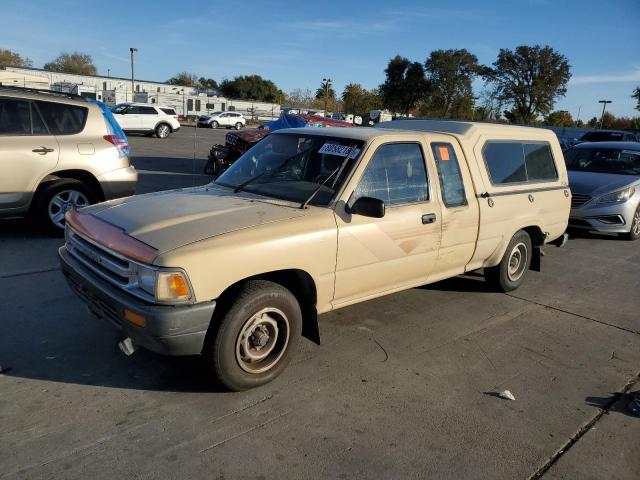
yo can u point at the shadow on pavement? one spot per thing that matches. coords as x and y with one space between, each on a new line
470 282
616 403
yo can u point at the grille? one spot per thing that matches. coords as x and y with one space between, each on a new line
579 199
577 222
96 305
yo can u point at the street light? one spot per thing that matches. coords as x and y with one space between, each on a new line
132 50
327 85
604 106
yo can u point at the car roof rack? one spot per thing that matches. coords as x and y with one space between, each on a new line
41 91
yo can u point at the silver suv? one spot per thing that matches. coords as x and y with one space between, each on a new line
58 152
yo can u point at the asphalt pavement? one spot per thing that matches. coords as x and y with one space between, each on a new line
404 386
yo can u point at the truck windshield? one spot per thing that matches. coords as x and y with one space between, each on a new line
291 166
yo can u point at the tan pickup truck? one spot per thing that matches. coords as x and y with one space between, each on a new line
311 220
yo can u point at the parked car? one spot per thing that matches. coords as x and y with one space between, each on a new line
57 152
236 143
222 119
605 184
608 136
147 119
311 220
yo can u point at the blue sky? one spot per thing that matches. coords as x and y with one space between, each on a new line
296 44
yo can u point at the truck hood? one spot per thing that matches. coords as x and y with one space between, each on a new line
174 218
594 184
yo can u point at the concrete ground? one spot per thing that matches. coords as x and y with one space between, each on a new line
403 386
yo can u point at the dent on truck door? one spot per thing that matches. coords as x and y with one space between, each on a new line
382 254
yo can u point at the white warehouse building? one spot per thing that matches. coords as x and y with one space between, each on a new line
112 90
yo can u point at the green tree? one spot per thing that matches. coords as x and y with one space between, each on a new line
404 86
450 74
184 79
636 95
251 87
208 83
325 89
300 98
560 118
75 62
529 79
358 100
593 123
10 58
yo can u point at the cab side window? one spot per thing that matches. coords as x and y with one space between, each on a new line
396 175
453 194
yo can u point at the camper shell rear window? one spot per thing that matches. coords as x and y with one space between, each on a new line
513 161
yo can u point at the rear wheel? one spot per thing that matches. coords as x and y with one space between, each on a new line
512 269
254 339
56 199
163 130
238 126
634 232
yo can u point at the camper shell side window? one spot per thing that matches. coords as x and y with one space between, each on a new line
519 161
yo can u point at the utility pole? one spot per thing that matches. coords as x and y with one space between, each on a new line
604 106
578 117
132 50
327 86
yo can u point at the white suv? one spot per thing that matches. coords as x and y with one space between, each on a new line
146 118
222 119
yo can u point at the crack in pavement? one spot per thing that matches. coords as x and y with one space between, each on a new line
584 429
628 330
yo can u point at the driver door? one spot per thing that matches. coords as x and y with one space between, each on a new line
382 255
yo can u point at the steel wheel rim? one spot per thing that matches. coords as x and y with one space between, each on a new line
262 340
163 130
64 201
238 126
635 226
518 259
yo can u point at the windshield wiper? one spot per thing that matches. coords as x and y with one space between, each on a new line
338 170
253 179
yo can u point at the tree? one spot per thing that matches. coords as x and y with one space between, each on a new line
450 74
593 123
529 80
207 83
300 98
636 95
358 100
9 58
251 87
325 89
560 118
404 86
75 62
184 79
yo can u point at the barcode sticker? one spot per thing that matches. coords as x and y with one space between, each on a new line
334 149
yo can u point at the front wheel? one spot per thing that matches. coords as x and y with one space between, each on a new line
255 336
163 130
634 232
214 124
238 126
512 269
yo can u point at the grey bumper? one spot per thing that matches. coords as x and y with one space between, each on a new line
611 218
169 330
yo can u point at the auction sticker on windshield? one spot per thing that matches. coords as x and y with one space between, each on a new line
334 149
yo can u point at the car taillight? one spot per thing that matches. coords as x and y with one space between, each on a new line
120 143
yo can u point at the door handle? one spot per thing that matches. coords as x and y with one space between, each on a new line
428 218
42 150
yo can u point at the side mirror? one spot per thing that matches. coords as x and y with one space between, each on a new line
367 207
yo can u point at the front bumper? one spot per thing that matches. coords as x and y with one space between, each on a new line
119 183
611 218
170 330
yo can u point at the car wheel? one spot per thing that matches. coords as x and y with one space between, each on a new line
163 130
214 124
634 232
56 199
253 341
512 269
238 126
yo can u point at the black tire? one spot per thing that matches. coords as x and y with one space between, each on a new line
214 124
45 196
634 232
512 269
163 130
225 346
238 125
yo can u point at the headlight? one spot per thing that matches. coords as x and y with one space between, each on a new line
164 286
618 197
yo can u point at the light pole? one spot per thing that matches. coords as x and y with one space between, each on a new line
604 106
132 50
578 117
327 85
